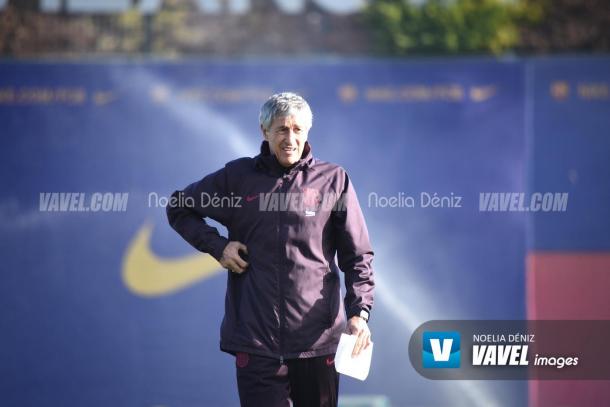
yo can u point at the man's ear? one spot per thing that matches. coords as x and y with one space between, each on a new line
264 132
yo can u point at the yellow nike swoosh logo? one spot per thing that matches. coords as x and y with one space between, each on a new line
148 275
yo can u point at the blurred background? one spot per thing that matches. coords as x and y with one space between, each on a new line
468 101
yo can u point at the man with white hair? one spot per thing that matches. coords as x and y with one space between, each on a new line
283 308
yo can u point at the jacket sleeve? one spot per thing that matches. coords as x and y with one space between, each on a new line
187 209
354 251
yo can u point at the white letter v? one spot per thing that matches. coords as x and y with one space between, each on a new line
438 354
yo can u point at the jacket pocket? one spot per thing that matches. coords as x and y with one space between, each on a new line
331 283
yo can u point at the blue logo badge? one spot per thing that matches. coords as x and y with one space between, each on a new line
441 349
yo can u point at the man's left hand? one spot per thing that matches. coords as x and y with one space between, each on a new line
359 327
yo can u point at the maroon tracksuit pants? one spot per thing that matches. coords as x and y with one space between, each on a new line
309 382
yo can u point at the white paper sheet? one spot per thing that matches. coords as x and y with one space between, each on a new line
357 367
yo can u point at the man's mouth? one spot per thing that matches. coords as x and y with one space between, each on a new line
289 149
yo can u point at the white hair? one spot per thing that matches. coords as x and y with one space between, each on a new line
283 104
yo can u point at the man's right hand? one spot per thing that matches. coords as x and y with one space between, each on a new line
232 260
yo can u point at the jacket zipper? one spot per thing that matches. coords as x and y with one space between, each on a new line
283 188
280 289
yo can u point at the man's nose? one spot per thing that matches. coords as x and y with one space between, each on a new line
291 136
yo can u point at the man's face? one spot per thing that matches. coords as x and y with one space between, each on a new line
287 136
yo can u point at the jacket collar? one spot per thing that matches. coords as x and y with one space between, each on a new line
267 160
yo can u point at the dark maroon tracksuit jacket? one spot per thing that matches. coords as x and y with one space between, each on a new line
287 304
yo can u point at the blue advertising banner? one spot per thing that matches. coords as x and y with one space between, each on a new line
102 303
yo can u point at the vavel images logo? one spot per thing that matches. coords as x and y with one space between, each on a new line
441 349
